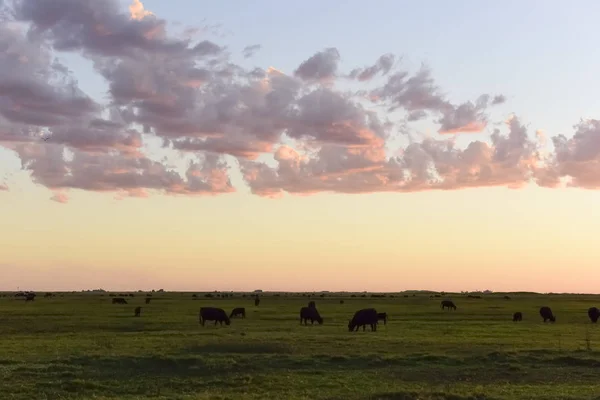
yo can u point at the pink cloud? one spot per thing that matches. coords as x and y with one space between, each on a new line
60 197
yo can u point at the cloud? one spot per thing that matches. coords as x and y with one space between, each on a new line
318 128
383 65
60 197
320 67
249 51
36 89
577 158
432 164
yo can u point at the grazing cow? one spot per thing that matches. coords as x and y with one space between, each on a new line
148 300
518 316
382 317
119 300
449 304
546 313
240 311
257 301
594 314
213 314
311 313
30 297
364 317
48 295
506 297
138 311
311 304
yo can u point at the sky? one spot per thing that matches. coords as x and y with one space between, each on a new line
287 146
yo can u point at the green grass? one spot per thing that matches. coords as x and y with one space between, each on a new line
81 346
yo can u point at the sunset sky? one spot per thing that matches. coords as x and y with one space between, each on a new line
295 146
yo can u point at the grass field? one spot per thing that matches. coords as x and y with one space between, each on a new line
80 346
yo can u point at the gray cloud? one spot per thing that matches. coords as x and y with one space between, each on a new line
249 51
383 65
320 67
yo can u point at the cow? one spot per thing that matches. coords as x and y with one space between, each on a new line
30 297
148 300
256 301
311 313
449 304
506 297
518 316
311 304
138 311
594 314
213 314
241 311
119 300
341 301
546 313
364 317
382 317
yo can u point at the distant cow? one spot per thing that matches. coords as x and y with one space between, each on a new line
341 301
48 295
119 300
213 314
364 317
506 297
382 317
241 311
257 301
311 304
546 313
311 313
30 297
594 314
148 300
449 304
138 311
518 316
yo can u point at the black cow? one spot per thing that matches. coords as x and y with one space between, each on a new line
213 314
138 311
241 311
311 304
148 300
594 314
546 313
364 317
518 316
311 313
382 317
341 301
257 301
30 297
449 304
119 300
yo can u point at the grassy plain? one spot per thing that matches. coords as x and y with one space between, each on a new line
80 346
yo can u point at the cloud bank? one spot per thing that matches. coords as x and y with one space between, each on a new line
316 129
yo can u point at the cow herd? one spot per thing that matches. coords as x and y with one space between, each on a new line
362 318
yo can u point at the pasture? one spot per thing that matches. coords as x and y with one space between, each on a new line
80 346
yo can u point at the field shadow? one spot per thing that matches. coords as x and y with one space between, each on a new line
421 396
239 348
